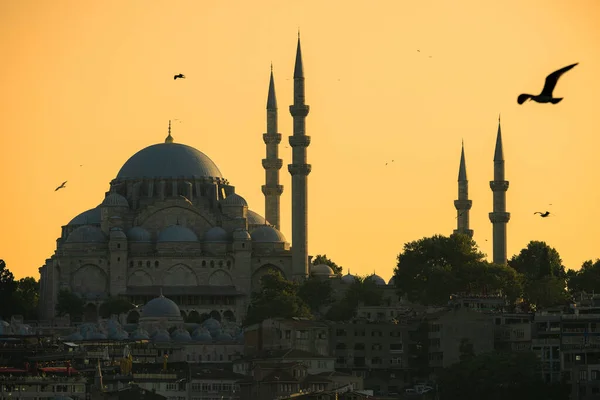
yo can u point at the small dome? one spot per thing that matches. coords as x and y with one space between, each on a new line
224 337
267 234
86 234
348 278
115 200
234 200
117 233
202 334
255 218
181 335
161 307
161 336
95 335
118 334
241 234
89 217
139 234
212 324
140 334
216 234
392 281
74 337
321 270
177 233
379 281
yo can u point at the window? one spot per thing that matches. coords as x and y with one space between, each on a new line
376 333
376 346
376 361
171 386
396 346
340 332
359 333
340 346
359 346
340 360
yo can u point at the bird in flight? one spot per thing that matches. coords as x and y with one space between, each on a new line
543 215
180 76
62 186
546 95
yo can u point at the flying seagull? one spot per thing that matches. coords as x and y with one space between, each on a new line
181 76
546 95
186 200
62 186
543 215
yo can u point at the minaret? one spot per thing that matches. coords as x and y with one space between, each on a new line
463 204
299 169
499 217
272 164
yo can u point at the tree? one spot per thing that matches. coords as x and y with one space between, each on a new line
277 299
429 270
538 260
115 306
587 279
322 259
362 291
544 276
497 376
26 297
69 303
316 293
7 288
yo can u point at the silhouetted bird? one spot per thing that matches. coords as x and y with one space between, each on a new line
181 76
62 186
543 215
546 95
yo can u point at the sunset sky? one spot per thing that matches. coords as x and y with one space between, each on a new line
91 82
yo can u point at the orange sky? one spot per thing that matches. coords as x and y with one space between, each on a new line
89 82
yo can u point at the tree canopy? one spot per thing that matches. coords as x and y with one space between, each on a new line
68 302
322 259
115 306
587 279
26 297
316 293
278 298
544 275
362 291
7 289
497 376
431 269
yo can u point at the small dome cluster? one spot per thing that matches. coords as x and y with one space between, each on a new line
17 329
378 280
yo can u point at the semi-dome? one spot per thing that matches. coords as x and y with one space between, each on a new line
348 278
177 233
321 270
379 281
115 200
241 234
267 234
161 307
91 216
234 200
86 234
169 160
255 218
139 234
216 234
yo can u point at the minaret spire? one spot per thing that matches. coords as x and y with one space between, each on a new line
169 138
272 163
299 169
463 204
499 217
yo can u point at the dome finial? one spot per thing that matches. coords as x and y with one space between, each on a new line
161 293
169 138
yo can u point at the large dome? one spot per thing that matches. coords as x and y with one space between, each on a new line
169 160
161 307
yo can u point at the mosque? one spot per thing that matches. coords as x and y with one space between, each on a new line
172 227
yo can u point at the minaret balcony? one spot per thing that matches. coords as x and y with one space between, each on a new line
499 186
463 204
299 169
299 110
299 141
272 138
269 163
275 190
499 217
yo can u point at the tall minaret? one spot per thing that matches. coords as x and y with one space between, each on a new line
463 204
299 169
499 217
272 164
